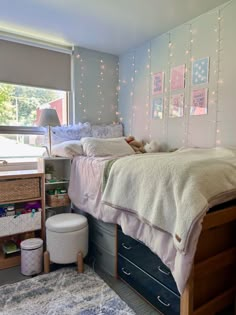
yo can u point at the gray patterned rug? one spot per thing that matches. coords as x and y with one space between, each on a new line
62 292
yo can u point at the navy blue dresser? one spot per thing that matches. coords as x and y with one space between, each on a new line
139 267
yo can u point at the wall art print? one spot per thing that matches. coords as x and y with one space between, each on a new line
176 108
200 71
157 108
177 77
157 83
199 102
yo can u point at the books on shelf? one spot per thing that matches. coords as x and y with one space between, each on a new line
10 247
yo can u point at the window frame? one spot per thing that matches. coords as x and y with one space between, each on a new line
29 130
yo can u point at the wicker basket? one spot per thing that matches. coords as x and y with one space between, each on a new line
57 200
19 189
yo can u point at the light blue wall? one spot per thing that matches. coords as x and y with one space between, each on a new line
95 86
210 35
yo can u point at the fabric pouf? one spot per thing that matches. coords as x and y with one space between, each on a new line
31 256
66 235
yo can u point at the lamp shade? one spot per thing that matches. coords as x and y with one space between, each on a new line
48 117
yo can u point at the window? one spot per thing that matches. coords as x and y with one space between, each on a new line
20 108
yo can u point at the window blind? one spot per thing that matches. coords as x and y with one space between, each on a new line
33 66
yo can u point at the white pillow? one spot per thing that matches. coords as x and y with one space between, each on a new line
106 147
107 131
68 149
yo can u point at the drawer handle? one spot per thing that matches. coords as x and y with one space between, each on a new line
126 272
165 304
167 273
126 247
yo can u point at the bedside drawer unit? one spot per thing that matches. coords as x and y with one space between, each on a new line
103 238
103 259
143 257
108 227
158 295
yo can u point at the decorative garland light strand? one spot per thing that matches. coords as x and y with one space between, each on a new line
117 93
81 88
218 80
100 88
131 121
147 105
167 94
188 101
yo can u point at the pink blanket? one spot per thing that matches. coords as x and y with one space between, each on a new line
85 193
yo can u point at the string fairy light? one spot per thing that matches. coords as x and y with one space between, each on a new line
82 99
148 89
188 98
117 93
219 81
167 91
132 79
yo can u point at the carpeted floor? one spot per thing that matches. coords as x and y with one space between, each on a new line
135 302
63 292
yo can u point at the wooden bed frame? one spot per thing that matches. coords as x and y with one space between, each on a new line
212 283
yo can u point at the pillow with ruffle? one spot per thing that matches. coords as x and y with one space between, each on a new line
68 149
71 132
107 131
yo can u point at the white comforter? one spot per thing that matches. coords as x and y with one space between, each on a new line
171 192
85 192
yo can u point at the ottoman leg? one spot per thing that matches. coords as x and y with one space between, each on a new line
46 260
80 263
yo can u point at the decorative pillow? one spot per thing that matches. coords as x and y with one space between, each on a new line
68 149
106 147
72 132
107 131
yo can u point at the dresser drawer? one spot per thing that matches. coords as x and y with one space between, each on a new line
103 238
144 258
109 227
159 296
103 259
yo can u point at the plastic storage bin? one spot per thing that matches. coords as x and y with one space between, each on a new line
31 256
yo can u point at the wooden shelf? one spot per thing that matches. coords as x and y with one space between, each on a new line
57 182
22 200
10 261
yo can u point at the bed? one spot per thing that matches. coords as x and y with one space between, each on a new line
204 274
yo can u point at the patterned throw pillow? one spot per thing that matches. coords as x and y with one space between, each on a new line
72 132
107 131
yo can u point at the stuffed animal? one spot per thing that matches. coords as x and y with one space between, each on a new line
137 146
152 147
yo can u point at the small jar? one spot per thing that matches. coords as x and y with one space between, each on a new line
10 210
48 176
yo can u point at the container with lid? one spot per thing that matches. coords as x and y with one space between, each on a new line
31 256
66 235
10 210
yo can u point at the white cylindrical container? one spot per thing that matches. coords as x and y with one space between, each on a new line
31 256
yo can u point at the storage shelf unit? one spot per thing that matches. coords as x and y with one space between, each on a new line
59 168
24 224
